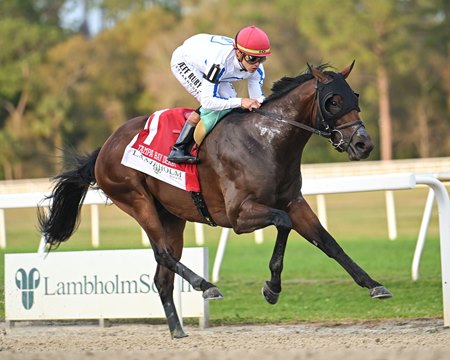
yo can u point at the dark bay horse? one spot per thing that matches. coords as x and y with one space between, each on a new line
250 178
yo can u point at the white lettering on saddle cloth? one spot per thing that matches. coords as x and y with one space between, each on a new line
141 157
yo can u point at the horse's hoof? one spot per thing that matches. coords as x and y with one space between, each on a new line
270 296
380 292
212 293
178 334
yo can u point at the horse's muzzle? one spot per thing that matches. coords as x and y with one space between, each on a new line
354 140
360 145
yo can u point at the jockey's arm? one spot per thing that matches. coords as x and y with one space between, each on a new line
255 85
218 96
222 95
215 102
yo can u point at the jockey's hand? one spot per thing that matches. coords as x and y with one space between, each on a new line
250 104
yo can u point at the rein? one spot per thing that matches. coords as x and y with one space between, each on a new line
275 116
326 134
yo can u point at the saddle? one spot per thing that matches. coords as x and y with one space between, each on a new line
148 150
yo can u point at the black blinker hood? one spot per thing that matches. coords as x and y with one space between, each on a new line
336 86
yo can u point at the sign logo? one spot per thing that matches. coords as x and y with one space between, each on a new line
28 283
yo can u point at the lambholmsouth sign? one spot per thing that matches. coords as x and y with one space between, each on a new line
113 284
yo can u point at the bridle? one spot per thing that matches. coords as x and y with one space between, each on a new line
323 128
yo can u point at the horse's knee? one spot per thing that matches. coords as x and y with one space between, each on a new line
328 244
281 219
320 238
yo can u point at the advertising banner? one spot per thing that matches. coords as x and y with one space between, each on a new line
100 284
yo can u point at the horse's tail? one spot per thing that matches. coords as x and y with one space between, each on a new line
66 199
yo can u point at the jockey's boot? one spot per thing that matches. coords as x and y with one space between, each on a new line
179 153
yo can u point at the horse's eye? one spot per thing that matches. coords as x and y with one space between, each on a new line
333 106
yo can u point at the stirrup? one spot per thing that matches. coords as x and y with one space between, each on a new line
184 159
178 156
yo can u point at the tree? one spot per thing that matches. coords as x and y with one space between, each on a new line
55 87
61 87
367 30
23 47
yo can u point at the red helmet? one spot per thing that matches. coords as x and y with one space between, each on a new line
251 40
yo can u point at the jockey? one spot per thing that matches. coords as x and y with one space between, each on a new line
207 65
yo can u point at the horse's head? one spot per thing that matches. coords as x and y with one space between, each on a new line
337 112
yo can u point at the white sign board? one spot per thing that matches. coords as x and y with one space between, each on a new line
111 284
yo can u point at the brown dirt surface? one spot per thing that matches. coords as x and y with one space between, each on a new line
409 339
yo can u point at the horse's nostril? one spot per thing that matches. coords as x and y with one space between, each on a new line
364 147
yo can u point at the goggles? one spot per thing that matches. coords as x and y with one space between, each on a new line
254 59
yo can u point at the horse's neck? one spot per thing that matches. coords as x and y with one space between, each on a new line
301 101
296 106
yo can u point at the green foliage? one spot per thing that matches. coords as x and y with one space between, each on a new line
73 88
22 44
42 11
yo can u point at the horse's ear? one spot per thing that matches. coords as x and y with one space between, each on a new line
346 72
319 75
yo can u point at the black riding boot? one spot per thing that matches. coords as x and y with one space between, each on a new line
179 154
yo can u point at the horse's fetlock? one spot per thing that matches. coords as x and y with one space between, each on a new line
275 287
203 286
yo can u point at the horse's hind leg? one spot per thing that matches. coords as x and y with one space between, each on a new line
168 254
164 278
307 224
165 232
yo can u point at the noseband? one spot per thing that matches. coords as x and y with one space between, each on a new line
338 142
323 128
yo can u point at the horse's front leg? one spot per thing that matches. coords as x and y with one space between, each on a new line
254 216
306 223
272 289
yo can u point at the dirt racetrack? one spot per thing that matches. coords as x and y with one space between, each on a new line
421 339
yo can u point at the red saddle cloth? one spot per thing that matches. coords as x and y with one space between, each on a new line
148 150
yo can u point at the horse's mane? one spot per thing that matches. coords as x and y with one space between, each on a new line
286 83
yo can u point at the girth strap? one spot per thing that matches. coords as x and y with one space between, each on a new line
199 202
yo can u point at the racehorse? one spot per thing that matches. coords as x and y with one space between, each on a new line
250 178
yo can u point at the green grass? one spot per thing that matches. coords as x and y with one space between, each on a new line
315 288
